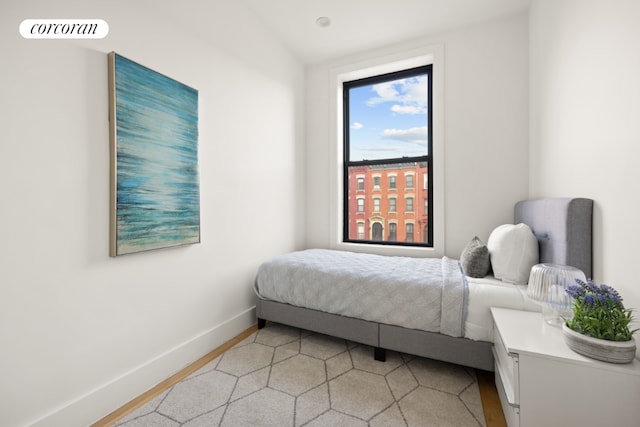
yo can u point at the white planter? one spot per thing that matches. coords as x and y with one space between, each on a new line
595 348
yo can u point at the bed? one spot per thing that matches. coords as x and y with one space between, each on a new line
561 230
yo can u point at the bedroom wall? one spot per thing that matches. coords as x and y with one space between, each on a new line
585 107
82 333
486 130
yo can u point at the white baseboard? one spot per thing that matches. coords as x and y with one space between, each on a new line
105 399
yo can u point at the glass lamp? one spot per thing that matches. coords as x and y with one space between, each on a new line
547 284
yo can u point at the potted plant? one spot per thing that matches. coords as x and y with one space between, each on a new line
600 325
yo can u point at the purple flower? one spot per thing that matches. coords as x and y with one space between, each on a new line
616 299
606 289
589 300
590 294
575 291
592 286
611 292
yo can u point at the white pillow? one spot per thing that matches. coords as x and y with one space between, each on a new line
513 250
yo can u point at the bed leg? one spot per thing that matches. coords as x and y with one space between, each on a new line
380 354
262 323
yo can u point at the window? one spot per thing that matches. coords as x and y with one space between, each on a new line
408 204
360 204
387 124
360 183
408 181
392 231
409 233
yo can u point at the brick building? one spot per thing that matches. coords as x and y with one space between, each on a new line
389 202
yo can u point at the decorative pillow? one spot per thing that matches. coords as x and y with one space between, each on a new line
475 258
513 250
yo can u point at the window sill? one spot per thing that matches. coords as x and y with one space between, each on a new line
390 250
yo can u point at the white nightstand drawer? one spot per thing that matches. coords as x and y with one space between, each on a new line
511 412
507 366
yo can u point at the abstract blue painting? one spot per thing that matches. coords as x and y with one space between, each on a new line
155 194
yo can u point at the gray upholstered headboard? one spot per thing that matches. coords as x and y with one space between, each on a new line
563 229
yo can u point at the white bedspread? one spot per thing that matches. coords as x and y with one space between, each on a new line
429 294
490 292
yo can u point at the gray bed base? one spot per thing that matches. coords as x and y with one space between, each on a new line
461 351
563 229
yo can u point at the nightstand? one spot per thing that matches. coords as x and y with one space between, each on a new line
541 382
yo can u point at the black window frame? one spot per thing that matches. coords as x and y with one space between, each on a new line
428 158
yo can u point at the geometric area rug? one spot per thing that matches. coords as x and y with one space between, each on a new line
283 376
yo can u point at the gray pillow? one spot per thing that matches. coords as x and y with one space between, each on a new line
475 259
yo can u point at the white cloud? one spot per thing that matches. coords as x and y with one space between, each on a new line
409 92
414 90
407 109
356 125
417 134
386 92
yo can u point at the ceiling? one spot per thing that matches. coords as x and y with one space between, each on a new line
361 25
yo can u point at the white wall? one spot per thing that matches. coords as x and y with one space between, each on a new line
585 115
82 333
485 135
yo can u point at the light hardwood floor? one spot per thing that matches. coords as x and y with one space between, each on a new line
488 392
493 415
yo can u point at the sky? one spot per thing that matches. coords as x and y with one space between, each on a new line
388 120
